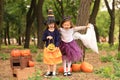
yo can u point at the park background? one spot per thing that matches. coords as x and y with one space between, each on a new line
22 25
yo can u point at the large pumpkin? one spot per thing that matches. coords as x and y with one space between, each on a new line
86 67
15 53
25 52
31 64
76 67
61 69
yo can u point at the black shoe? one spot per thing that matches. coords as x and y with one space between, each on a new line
48 74
69 73
65 74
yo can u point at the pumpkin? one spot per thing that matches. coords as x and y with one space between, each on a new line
61 69
76 67
86 67
15 53
25 52
31 64
51 46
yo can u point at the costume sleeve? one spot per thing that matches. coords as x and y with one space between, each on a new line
44 37
57 39
79 28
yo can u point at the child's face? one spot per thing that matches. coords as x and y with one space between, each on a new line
51 25
66 25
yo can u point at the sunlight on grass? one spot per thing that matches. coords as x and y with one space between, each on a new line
106 46
11 47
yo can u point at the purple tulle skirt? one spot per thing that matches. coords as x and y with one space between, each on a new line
71 51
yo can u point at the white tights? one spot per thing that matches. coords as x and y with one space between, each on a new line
67 65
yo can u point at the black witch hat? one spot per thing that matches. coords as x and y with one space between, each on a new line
51 18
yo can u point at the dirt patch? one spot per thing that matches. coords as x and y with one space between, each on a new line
92 58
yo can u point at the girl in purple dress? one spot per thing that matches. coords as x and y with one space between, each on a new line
71 52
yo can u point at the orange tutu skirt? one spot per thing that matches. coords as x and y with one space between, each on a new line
52 56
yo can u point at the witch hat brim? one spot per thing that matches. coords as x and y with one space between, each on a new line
49 21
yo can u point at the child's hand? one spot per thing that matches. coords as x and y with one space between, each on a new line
49 37
88 25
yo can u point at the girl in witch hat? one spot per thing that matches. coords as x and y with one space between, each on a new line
51 35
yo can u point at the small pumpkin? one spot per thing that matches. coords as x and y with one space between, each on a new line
51 46
31 64
61 69
25 52
15 53
86 67
76 67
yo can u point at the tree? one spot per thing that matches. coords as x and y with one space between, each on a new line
1 20
83 15
35 12
62 8
112 24
14 20
31 14
84 12
40 23
93 17
117 4
119 32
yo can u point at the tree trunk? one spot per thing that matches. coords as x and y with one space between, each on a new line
83 18
5 37
112 24
7 32
119 34
84 12
1 20
93 17
111 31
29 18
40 24
19 37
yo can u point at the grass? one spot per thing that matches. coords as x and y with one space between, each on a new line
118 56
37 76
39 57
107 47
4 56
107 58
112 72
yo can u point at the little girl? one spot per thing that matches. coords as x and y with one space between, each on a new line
69 48
51 35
